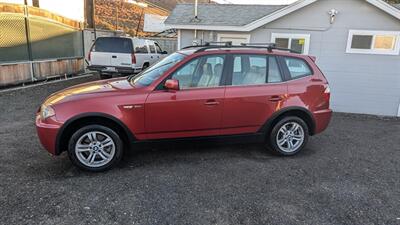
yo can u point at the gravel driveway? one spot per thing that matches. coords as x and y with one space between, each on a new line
348 175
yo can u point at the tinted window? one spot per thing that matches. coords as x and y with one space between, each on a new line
148 76
297 67
113 44
141 47
205 71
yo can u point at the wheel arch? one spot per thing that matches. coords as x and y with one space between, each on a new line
300 112
82 120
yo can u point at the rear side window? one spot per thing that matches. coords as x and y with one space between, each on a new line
141 47
152 48
113 44
255 70
297 67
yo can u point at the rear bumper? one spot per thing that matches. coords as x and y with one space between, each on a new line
103 69
47 134
322 120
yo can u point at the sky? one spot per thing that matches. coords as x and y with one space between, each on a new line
266 2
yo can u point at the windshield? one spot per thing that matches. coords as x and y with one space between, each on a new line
148 76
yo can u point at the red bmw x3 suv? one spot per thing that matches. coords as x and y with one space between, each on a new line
263 92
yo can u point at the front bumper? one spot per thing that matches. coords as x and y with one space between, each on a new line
47 133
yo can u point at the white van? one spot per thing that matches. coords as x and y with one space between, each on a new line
123 55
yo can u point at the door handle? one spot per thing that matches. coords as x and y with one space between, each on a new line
151 56
114 56
275 98
211 102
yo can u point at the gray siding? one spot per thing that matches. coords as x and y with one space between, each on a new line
359 83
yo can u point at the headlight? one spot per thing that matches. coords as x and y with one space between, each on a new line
46 112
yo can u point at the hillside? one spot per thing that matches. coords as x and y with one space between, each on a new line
129 14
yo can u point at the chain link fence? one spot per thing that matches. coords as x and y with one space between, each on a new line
36 44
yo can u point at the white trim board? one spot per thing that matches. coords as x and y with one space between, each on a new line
373 51
278 14
233 36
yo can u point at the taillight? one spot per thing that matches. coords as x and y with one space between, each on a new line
327 90
133 58
90 56
327 93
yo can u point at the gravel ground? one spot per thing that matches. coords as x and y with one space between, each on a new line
348 175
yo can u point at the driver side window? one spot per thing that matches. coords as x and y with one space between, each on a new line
202 72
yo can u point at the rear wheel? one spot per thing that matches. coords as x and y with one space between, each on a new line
95 148
145 66
289 136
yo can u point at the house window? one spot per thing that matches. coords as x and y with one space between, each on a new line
373 42
236 39
296 42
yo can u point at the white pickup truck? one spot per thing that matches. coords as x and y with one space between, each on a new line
123 55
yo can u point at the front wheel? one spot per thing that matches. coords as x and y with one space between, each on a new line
95 148
289 136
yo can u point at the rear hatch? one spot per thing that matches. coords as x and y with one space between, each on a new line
112 52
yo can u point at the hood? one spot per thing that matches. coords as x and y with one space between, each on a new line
96 87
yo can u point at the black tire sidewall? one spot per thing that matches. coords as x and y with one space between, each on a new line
272 145
118 147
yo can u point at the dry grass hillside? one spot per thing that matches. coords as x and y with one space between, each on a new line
129 14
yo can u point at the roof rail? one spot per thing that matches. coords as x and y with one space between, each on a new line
268 46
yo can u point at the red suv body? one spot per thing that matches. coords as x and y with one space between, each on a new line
277 96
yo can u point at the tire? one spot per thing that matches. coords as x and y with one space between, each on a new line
95 148
105 76
145 66
291 141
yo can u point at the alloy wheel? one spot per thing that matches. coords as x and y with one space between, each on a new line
290 137
95 149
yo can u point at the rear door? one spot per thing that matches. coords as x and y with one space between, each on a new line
112 51
255 93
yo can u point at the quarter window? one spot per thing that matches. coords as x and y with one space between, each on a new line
204 71
297 67
152 48
255 70
373 42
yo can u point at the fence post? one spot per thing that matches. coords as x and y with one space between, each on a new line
28 38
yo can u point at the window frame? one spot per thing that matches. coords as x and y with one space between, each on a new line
372 50
230 64
306 37
222 83
287 74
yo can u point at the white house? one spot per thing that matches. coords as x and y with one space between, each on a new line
356 42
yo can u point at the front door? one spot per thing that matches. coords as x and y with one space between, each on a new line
195 109
255 93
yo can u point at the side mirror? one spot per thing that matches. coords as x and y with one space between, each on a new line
172 84
164 52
